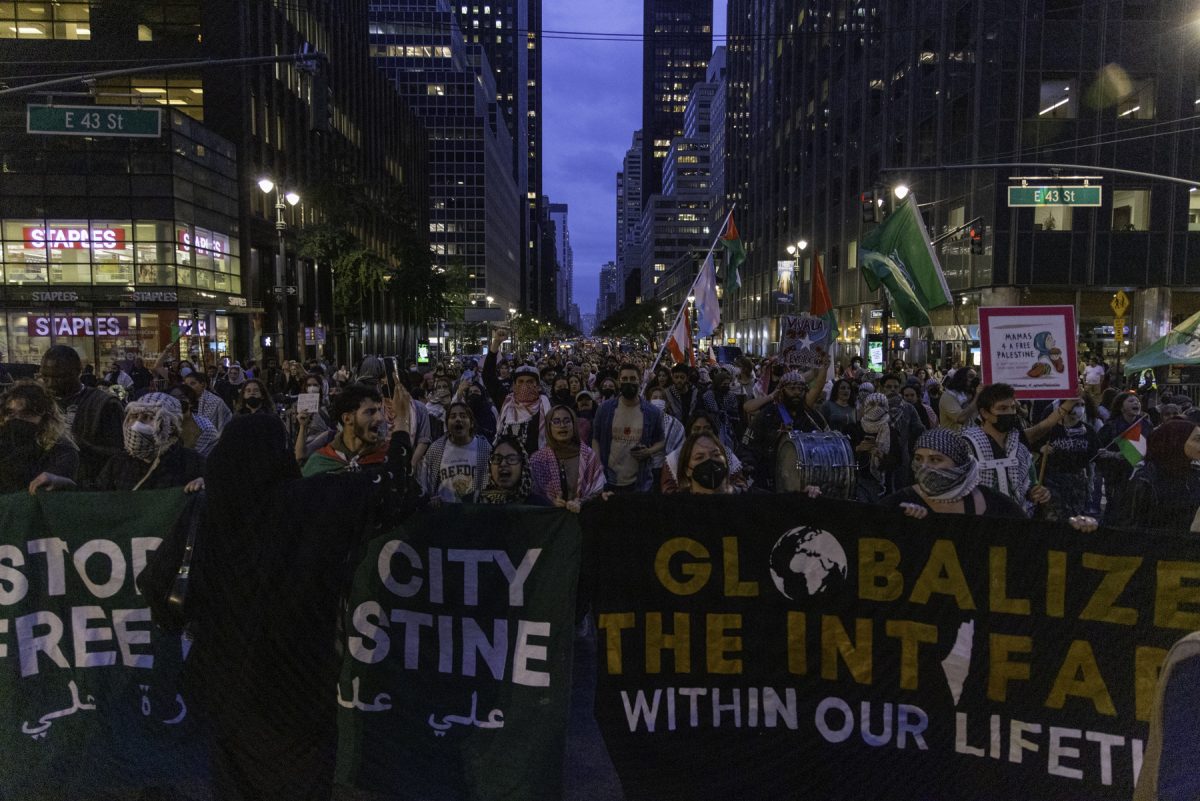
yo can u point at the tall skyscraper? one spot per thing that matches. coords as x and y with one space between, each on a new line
475 213
606 300
509 32
628 260
564 281
676 45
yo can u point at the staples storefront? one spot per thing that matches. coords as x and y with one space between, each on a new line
118 289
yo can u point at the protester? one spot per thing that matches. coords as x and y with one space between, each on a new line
523 411
1163 493
208 404
362 442
840 411
253 398
703 466
956 408
566 471
33 438
1124 412
195 432
673 434
1070 448
948 482
455 468
1002 449
725 405
265 659
790 409
682 398
702 423
911 394
877 450
509 479
626 433
94 417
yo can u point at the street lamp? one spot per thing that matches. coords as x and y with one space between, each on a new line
796 248
490 300
268 186
901 191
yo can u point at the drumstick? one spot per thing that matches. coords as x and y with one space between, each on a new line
1042 468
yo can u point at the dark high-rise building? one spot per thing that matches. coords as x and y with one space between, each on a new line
509 32
677 42
475 211
842 95
629 216
175 231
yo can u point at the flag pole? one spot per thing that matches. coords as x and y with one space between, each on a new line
663 349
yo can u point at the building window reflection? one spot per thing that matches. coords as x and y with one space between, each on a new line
45 20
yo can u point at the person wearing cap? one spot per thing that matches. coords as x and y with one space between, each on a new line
153 457
790 408
523 410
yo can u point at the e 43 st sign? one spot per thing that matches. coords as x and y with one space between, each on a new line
1019 196
124 121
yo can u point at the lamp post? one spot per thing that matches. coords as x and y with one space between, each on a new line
282 200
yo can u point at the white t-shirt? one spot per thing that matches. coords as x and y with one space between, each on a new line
1093 374
456 474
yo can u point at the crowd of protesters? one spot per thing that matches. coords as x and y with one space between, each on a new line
564 427
558 429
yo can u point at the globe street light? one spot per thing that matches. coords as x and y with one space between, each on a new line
267 186
901 191
490 300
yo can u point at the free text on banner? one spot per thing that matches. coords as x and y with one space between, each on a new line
457 673
783 648
89 697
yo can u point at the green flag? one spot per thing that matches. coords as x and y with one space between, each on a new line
1180 346
735 253
898 256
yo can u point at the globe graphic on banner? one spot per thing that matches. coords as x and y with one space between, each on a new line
807 562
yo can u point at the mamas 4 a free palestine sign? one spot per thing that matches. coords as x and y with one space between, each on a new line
1031 348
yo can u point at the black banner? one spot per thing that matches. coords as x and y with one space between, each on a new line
776 647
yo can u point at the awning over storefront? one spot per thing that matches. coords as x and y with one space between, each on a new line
1180 346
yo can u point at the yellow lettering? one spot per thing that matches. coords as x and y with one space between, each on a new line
797 631
911 634
1147 665
998 600
1172 593
722 641
1118 570
612 625
697 572
734 587
1080 676
1001 669
679 643
835 641
943 574
878 578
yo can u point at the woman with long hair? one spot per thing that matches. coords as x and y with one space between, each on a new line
566 471
841 411
253 398
1124 411
34 438
704 466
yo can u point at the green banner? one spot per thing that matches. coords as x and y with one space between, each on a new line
89 702
457 673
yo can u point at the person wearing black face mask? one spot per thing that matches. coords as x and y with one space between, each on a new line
33 438
562 394
254 398
1002 448
608 389
626 433
703 466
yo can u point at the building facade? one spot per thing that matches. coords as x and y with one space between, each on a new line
606 300
474 209
175 227
860 93
677 42
629 216
565 277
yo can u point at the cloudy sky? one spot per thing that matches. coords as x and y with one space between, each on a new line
592 104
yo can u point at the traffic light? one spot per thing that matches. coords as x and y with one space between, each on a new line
869 201
976 237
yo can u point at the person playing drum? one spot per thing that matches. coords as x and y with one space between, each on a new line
792 408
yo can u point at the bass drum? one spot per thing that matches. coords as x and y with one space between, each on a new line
821 458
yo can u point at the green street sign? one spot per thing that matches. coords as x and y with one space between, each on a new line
1027 196
123 121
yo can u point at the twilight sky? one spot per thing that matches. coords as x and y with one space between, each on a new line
592 104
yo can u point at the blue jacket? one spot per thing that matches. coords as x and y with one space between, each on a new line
652 433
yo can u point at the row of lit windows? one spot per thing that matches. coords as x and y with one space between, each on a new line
411 51
45 20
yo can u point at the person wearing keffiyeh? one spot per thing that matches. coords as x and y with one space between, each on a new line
566 472
509 479
874 446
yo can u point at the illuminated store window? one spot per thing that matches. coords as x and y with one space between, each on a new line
45 20
1052 218
1131 210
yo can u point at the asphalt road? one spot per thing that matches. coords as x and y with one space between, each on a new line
589 772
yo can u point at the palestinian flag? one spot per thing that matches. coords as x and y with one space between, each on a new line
679 341
820 305
1132 443
735 253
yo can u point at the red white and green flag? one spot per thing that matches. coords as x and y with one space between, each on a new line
735 253
820 304
1132 443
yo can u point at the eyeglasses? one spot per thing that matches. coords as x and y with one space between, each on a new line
512 460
